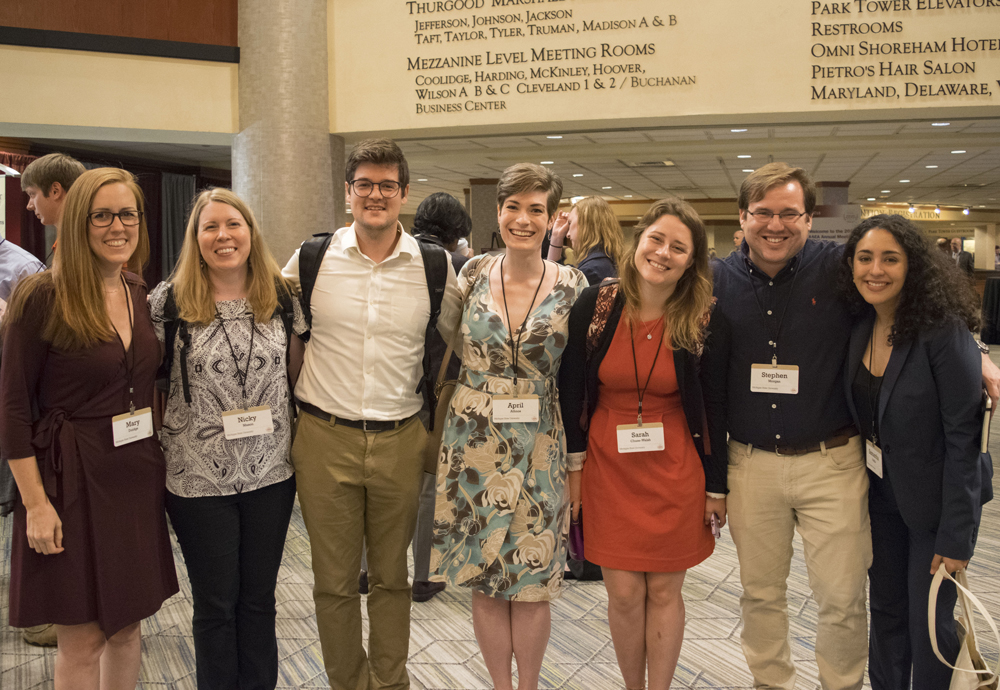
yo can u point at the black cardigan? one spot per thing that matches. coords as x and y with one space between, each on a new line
579 389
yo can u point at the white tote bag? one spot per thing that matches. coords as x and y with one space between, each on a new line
970 669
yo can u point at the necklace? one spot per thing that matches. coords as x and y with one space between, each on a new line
649 332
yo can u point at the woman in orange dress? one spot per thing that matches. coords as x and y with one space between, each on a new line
643 465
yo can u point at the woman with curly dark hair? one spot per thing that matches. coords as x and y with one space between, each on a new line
914 387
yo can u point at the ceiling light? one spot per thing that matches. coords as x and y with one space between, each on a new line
576 199
959 151
937 209
930 167
747 169
965 211
422 179
871 198
904 181
940 124
628 196
605 187
743 156
554 136
547 162
913 209
887 191
577 174
737 130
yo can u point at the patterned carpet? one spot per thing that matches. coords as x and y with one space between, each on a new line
443 651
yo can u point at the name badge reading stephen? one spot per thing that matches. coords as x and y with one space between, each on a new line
510 408
873 458
633 438
131 427
243 423
768 378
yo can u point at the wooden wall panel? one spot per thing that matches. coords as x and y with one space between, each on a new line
210 22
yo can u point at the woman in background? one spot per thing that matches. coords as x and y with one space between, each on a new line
595 235
632 359
90 549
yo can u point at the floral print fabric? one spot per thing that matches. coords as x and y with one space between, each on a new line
502 513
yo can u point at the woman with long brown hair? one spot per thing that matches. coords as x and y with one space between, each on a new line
90 551
651 485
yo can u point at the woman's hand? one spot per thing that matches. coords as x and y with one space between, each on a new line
560 227
44 529
575 480
715 506
950 564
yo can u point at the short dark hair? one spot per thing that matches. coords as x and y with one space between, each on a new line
45 171
767 177
442 216
381 152
934 290
529 177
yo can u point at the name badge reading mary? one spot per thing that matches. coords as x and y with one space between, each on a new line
511 408
770 378
243 423
131 427
633 438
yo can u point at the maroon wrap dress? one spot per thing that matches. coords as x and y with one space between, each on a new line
117 567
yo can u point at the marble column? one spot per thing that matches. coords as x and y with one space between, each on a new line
282 154
483 209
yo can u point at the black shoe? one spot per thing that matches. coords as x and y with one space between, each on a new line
425 591
363 582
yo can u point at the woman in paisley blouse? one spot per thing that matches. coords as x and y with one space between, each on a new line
230 486
501 515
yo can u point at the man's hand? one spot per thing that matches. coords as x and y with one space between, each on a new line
950 564
991 379
716 506
575 480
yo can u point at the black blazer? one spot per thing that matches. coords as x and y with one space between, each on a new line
579 389
930 427
966 263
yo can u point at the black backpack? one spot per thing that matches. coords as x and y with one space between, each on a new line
436 259
173 326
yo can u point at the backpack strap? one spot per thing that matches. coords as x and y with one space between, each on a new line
435 258
606 295
287 313
310 258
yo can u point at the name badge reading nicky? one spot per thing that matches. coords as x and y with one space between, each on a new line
633 438
511 408
873 458
131 427
768 378
243 423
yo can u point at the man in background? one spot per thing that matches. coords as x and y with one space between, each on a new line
963 259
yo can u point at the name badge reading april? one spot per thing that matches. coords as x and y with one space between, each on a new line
873 458
508 408
128 428
243 423
633 438
767 378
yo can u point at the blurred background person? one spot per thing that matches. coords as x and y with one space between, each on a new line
595 236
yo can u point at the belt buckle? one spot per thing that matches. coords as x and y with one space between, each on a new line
777 451
364 425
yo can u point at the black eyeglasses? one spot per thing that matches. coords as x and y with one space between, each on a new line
388 188
785 216
102 219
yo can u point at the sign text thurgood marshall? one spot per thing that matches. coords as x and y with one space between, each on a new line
495 70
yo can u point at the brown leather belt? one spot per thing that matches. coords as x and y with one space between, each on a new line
363 424
841 438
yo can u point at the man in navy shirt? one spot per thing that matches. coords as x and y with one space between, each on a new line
773 362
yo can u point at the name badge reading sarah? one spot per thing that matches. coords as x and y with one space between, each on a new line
633 438
510 408
873 458
768 378
243 423
131 427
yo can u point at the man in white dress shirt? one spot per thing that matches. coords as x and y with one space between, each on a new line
358 446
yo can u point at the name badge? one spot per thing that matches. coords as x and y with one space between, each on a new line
633 438
243 423
873 458
515 408
768 378
132 426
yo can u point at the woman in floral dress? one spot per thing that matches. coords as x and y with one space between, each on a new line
502 514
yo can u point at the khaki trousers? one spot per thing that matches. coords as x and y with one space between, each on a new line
824 495
355 487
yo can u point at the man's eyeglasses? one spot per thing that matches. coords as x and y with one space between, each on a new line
785 216
102 219
388 188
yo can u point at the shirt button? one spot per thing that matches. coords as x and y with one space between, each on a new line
771 283
768 312
777 435
774 406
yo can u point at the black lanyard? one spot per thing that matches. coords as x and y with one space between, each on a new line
129 368
635 362
241 376
873 402
774 338
516 347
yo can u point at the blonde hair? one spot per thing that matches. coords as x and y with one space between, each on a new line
192 285
597 225
79 316
685 309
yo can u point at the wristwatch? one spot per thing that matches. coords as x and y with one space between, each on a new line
983 347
